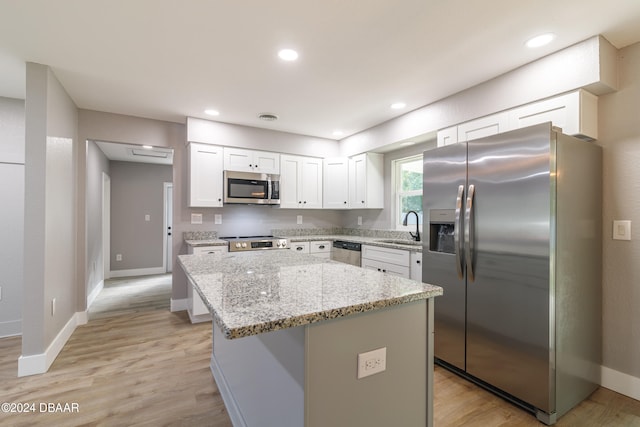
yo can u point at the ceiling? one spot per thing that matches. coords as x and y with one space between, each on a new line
168 60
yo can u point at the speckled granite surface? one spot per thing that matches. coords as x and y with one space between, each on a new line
402 239
262 291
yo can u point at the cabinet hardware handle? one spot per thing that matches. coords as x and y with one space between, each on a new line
321 247
384 271
418 261
345 203
305 202
362 201
299 248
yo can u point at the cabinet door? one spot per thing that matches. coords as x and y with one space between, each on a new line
366 181
576 113
416 266
205 175
447 136
358 181
266 162
335 178
311 183
484 126
290 172
238 159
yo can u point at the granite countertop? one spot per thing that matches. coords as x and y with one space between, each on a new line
256 292
206 242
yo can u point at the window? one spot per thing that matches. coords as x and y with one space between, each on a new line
408 190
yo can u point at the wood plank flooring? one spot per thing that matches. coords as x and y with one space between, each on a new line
137 364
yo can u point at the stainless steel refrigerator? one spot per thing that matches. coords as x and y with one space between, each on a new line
514 238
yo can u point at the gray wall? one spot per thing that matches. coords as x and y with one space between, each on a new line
49 240
137 189
11 214
97 163
619 130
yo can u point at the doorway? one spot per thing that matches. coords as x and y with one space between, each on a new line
106 226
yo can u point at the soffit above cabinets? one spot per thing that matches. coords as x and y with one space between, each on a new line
136 153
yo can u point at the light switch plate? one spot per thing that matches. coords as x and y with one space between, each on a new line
217 219
621 230
299 219
196 218
359 220
147 217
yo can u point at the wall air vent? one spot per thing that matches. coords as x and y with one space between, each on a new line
149 153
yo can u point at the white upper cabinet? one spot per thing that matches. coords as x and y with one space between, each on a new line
239 159
366 181
576 113
300 182
205 175
484 126
447 136
335 178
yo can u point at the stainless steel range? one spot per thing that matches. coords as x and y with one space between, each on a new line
255 243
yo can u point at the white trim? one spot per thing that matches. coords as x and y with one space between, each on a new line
106 226
82 318
227 397
165 225
40 363
136 272
620 382
94 293
11 328
179 304
199 318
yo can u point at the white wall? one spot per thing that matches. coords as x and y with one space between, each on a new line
49 238
11 214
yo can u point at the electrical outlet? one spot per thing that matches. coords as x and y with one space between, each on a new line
359 220
196 218
147 217
118 257
372 362
299 219
53 307
217 219
621 230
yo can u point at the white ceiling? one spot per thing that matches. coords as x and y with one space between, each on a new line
168 60
136 153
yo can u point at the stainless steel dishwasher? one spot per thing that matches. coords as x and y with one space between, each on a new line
347 252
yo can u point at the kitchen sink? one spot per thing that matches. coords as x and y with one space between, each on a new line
401 242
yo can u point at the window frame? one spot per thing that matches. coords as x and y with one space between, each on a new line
398 193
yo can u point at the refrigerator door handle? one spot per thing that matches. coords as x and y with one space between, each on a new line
469 232
457 241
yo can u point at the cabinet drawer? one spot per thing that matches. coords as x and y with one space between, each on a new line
396 270
300 247
320 247
197 250
387 255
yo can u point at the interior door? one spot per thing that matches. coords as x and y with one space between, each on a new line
508 278
444 176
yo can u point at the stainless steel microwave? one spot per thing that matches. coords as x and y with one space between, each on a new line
251 188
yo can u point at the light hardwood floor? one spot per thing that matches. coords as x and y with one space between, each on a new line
137 364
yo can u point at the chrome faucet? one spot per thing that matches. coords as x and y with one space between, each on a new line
415 236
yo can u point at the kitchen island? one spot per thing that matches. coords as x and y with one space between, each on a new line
287 332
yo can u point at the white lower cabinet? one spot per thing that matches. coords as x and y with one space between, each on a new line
386 260
196 308
416 266
320 249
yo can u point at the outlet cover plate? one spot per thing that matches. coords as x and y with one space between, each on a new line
372 362
621 230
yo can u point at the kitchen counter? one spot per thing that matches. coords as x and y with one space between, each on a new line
262 291
206 242
292 335
410 245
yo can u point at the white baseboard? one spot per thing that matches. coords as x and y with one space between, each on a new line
94 293
620 382
40 363
179 304
11 328
136 272
199 318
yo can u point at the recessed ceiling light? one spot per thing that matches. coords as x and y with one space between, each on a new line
338 133
212 112
398 105
540 40
147 147
288 55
